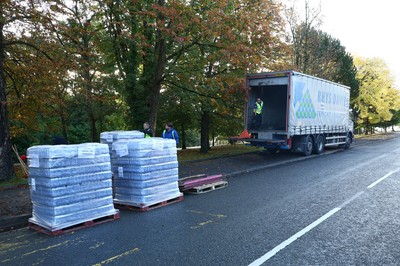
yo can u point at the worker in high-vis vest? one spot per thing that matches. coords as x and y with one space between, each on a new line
148 132
257 111
170 133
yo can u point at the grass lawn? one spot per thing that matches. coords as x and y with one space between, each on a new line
376 135
13 182
216 151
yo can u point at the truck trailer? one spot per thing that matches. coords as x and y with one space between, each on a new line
300 113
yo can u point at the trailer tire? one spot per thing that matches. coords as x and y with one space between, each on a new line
308 145
349 140
319 145
272 150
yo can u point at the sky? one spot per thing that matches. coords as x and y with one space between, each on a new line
369 28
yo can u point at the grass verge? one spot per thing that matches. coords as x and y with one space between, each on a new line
216 151
13 182
17 180
376 135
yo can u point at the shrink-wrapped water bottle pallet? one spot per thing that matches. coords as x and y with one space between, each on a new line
73 228
145 207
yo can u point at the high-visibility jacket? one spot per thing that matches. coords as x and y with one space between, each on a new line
148 133
172 134
258 107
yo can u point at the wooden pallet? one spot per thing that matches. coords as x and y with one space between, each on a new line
197 181
73 228
207 187
144 208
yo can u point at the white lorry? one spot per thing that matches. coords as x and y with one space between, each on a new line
300 113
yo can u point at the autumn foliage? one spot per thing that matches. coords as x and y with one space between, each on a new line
76 68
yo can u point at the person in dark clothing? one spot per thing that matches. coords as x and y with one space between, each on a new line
59 140
148 132
257 111
170 133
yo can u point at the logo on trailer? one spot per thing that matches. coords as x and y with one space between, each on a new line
306 109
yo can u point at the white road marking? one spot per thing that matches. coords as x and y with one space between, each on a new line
305 230
382 178
293 238
351 199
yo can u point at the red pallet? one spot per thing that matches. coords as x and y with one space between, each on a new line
198 180
73 228
144 208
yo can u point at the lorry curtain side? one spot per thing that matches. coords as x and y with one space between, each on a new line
318 106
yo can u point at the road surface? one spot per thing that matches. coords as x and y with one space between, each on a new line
341 208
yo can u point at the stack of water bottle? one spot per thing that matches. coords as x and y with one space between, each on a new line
145 171
70 184
109 137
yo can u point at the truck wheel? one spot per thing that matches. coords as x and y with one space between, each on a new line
272 150
308 146
319 145
349 140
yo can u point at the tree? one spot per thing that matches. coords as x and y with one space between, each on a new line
16 15
316 52
34 94
224 41
156 43
378 100
131 28
6 169
301 33
176 106
393 122
79 30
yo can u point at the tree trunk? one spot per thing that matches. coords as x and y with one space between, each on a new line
101 124
204 138
159 69
366 123
183 137
126 57
64 126
154 101
93 130
6 166
88 86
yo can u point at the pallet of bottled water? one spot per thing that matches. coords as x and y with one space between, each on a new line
109 137
145 171
70 184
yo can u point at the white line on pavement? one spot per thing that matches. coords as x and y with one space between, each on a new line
351 199
293 238
305 230
382 178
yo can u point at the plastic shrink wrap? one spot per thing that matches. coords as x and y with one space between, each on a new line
109 137
145 171
70 184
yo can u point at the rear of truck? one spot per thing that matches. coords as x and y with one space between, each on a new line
300 113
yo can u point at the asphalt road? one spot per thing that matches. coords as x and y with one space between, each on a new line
341 208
